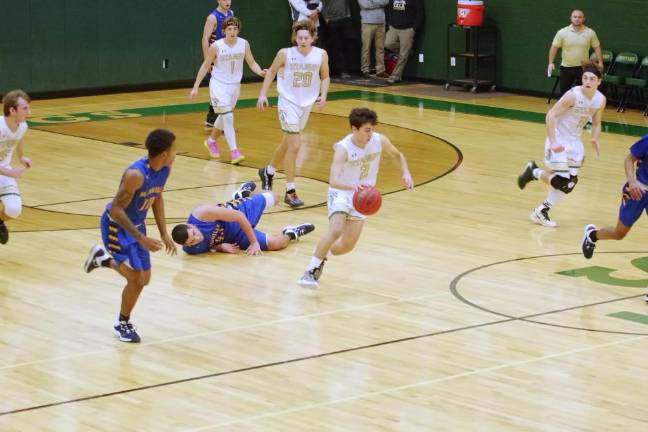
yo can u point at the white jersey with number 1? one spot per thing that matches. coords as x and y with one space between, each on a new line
299 79
228 67
569 125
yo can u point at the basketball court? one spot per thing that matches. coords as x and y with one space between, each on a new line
454 312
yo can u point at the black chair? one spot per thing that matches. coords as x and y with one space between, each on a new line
636 86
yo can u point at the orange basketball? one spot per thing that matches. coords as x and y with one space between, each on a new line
367 201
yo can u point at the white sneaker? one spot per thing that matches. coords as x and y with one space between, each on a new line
542 218
308 279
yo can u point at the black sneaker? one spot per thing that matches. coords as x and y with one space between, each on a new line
4 233
317 271
244 191
587 245
294 232
94 258
125 332
527 174
292 199
266 179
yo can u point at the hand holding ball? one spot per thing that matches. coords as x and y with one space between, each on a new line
367 200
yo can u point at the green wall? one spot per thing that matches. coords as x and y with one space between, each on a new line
526 29
56 45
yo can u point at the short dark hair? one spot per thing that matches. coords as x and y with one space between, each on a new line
159 141
361 116
180 234
592 68
10 100
231 21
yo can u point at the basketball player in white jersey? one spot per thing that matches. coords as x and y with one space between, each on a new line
227 55
564 151
302 80
13 126
355 166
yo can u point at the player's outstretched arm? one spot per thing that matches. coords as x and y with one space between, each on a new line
325 81
399 157
131 181
160 221
210 212
211 55
564 103
337 166
208 30
278 62
636 191
253 65
596 128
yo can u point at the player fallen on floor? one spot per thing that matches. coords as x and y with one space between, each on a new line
230 227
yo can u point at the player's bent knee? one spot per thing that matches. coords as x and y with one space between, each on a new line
564 184
12 210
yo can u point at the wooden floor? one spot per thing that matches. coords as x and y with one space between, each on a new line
454 313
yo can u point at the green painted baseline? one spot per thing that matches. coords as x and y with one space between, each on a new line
363 95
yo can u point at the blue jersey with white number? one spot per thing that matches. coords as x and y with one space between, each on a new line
640 151
220 18
151 188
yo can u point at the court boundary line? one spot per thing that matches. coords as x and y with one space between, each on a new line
322 355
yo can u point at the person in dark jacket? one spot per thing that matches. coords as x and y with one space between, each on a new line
404 18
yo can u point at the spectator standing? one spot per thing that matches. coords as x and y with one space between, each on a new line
575 41
404 18
372 17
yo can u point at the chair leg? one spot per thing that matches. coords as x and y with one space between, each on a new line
623 101
553 90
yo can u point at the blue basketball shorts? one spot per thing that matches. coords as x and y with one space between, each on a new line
122 246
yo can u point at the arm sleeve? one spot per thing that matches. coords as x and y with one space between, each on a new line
638 149
299 6
595 40
558 39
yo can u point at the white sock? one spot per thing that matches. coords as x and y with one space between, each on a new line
228 130
269 199
537 172
314 263
270 169
552 199
290 186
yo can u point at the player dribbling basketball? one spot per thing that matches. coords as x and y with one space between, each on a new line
355 166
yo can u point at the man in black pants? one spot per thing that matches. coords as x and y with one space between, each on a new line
339 41
575 41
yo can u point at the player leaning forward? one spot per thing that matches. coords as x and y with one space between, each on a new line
13 126
355 166
564 150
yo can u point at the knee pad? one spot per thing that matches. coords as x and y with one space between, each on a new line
12 205
564 184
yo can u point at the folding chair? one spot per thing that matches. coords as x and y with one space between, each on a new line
623 67
636 85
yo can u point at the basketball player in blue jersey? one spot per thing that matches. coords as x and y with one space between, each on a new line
634 201
123 227
355 166
211 33
230 227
